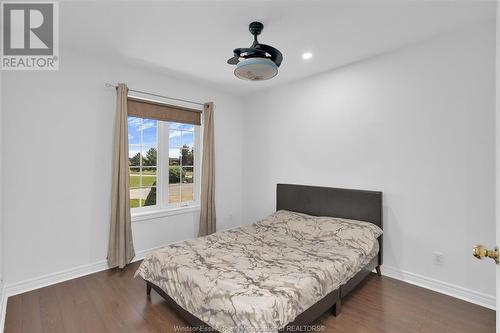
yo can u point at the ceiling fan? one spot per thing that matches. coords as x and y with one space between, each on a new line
257 62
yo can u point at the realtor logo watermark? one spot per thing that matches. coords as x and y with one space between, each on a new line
30 36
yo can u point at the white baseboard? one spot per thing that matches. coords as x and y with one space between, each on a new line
449 289
53 278
67 274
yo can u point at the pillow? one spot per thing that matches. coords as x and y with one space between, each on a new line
282 217
353 233
326 225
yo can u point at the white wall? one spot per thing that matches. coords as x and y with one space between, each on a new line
497 163
417 124
59 130
1 202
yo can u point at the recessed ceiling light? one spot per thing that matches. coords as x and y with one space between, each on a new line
307 55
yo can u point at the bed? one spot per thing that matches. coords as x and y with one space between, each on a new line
279 274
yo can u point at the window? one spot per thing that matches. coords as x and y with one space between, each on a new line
163 164
180 163
142 152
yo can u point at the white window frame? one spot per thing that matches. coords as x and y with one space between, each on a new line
162 207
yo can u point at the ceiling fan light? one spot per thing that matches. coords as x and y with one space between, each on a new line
256 69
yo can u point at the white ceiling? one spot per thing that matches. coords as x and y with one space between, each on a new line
193 40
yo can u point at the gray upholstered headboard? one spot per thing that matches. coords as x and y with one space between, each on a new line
329 201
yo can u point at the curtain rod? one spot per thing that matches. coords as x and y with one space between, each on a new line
161 96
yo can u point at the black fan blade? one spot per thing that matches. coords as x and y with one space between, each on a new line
234 60
253 52
276 55
247 53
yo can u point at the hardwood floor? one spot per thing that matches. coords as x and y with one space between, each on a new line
113 301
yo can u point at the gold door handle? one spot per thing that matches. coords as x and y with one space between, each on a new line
481 252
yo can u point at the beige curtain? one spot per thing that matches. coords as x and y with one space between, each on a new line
207 213
120 245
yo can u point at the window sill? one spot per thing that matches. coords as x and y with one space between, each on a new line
155 214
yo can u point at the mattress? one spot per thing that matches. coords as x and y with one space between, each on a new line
260 277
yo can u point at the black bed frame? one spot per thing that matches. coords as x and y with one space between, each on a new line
319 201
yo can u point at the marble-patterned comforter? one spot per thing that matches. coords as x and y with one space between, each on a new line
258 278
